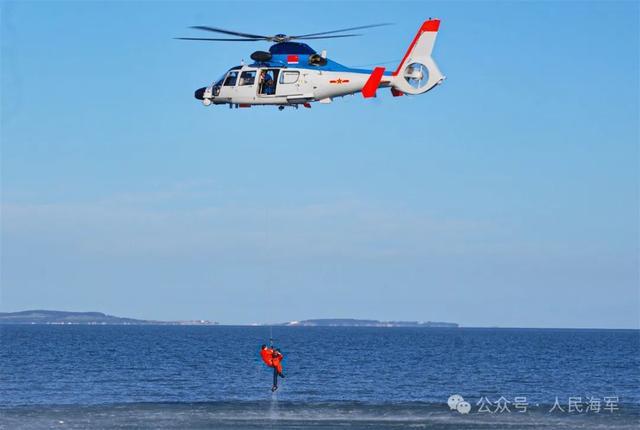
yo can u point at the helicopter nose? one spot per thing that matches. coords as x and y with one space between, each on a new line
199 94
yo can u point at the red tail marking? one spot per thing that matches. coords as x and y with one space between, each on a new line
431 25
369 89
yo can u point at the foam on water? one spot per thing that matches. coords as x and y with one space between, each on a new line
274 411
286 415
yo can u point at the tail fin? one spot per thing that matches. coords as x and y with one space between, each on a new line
417 73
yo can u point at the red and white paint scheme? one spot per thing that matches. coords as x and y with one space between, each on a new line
293 74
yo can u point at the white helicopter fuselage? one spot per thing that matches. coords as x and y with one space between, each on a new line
293 86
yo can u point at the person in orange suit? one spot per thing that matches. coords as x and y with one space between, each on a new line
273 358
267 355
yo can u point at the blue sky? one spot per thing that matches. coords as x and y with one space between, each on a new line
506 197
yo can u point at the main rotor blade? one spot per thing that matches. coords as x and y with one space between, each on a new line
326 37
213 39
340 31
233 33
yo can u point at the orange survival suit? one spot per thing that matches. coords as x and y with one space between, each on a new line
267 356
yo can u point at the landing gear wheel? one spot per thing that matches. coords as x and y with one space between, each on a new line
206 102
280 108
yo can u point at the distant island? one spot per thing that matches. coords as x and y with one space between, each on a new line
83 318
98 318
350 322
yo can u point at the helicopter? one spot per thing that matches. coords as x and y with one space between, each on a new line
292 74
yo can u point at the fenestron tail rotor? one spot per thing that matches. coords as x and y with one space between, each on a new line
277 38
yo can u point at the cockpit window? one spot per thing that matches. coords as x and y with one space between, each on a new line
248 77
232 77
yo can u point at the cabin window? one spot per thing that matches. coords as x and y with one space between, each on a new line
289 77
248 77
232 77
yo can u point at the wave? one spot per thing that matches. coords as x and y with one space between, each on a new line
293 415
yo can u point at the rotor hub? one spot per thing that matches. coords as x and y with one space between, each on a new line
279 38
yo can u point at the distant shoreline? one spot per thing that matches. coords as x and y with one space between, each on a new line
50 317
179 324
65 318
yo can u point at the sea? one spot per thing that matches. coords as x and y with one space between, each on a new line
211 377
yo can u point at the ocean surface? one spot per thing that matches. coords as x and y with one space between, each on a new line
200 377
